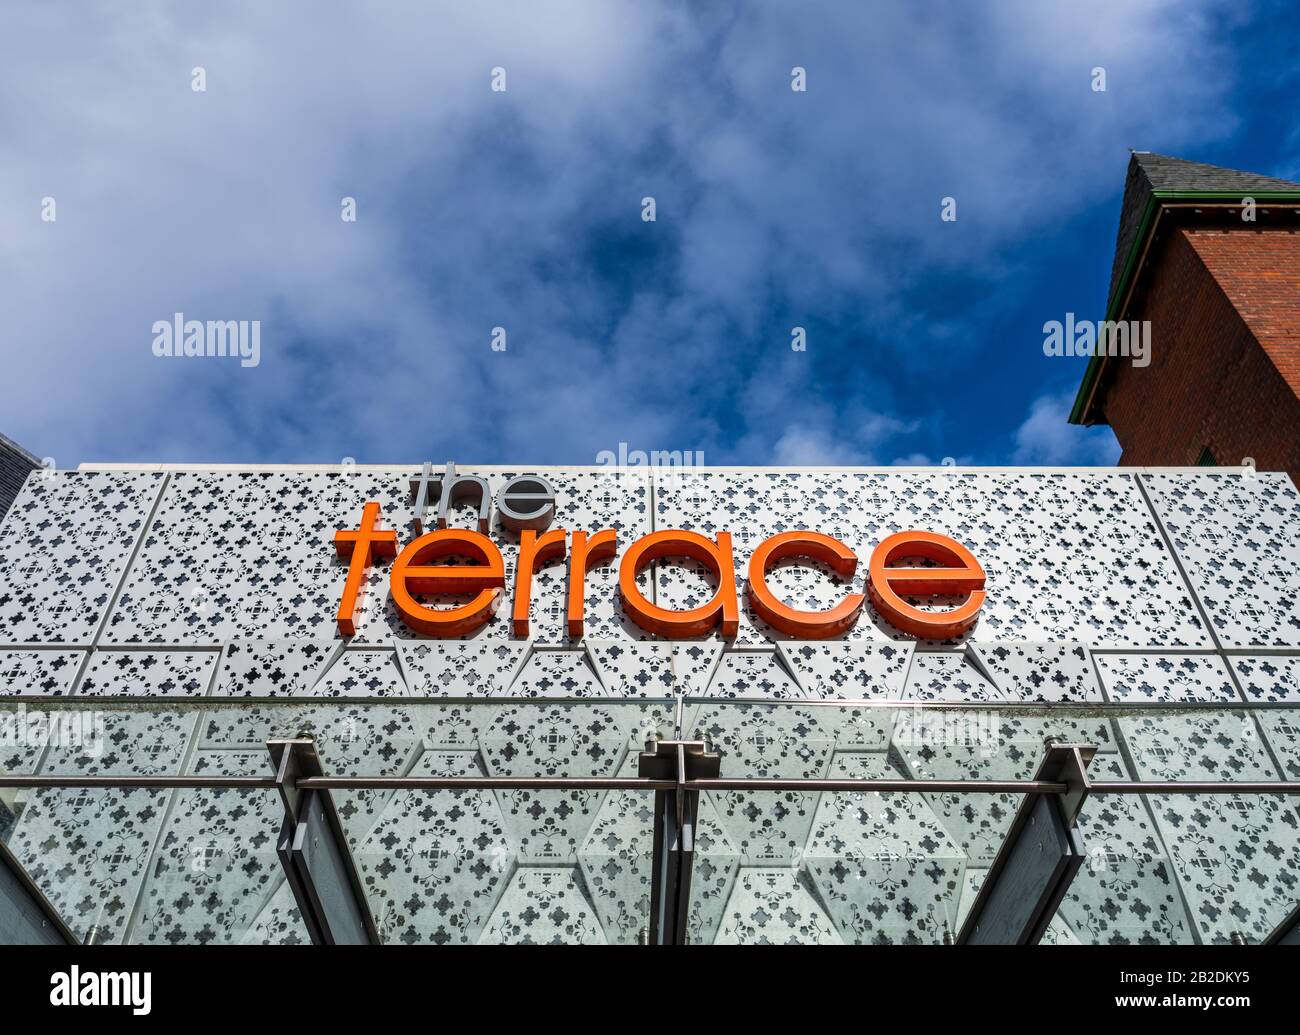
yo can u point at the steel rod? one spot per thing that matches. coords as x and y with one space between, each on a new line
1190 787
632 783
134 782
922 786
1044 709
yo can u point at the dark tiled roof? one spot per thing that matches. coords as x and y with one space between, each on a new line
1148 172
15 464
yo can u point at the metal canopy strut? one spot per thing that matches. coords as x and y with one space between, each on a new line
676 813
1038 858
26 916
314 852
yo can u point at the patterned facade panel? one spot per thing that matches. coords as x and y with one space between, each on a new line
885 866
352 740
848 669
39 671
273 668
63 547
544 906
279 922
654 668
1269 677
245 555
984 745
1238 538
617 866
1069 557
1236 857
557 673
949 676
436 862
1166 677
477 667
534 738
89 849
90 870
251 555
136 673
778 741
1126 893
215 866
775 907
754 674
1044 673
363 673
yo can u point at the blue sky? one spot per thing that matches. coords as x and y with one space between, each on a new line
522 209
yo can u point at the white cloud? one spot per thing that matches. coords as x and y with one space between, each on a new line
522 210
1046 437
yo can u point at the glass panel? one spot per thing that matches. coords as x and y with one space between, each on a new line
146 865
465 866
902 868
443 866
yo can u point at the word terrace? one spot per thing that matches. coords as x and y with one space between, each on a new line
526 504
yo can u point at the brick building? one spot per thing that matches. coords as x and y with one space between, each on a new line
1222 293
15 464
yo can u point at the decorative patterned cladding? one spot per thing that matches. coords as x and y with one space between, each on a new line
88 848
1239 541
654 668
775 907
436 862
1166 677
215 867
616 861
1045 673
1068 556
38 671
885 866
477 667
250 555
232 591
544 906
274 668
847 670
1269 678
557 673
133 673
63 547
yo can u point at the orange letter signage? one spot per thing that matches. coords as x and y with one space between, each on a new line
961 573
809 625
721 610
362 545
534 551
584 554
411 575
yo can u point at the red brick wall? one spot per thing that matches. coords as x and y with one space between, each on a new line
1224 308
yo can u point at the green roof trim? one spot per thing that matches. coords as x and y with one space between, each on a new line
1154 201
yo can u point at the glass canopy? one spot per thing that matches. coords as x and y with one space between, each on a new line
152 821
